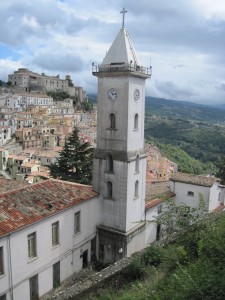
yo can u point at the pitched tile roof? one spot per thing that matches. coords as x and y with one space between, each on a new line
194 179
154 202
7 185
156 189
28 205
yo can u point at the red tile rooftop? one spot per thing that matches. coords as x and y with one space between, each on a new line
156 189
20 157
154 202
12 156
7 185
194 179
24 206
219 208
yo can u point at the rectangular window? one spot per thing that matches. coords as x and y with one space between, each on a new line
1 261
55 233
34 294
31 238
101 252
77 222
56 275
3 297
159 209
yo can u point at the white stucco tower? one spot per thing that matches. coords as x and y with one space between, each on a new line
119 170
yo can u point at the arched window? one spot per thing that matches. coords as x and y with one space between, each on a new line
109 190
136 121
137 163
109 163
136 189
112 121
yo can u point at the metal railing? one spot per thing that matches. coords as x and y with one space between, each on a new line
122 67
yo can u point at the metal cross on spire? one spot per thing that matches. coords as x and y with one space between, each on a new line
123 12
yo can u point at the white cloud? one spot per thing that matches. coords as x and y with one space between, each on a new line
185 39
8 67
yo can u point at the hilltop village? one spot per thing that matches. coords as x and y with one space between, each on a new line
50 229
34 126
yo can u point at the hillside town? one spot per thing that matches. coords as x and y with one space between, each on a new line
34 127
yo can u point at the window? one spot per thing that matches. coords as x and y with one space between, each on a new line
56 275
1 261
112 119
32 245
77 222
137 163
109 163
136 189
136 121
55 233
159 209
190 194
3 297
34 295
109 190
101 252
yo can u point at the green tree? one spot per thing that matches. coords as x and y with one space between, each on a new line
176 218
75 161
221 169
70 82
88 106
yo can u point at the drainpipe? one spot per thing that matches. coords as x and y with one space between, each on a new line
10 268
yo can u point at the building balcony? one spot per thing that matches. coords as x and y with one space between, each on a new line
122 68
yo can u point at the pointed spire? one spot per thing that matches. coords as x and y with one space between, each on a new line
121 50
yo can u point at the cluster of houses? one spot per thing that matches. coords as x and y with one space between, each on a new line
33 129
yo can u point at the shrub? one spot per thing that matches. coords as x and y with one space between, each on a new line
174 256
135 270
152 256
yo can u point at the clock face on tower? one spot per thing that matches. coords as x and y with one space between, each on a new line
136 94
112 94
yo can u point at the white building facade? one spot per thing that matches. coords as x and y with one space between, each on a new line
55 240
188 188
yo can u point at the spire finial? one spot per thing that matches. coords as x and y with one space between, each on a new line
123 12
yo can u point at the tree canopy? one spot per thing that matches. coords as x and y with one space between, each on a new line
221 169
74 162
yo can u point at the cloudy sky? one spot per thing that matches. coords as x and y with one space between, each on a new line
183 40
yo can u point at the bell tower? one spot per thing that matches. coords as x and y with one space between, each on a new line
119 165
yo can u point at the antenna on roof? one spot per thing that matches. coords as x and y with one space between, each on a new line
123 20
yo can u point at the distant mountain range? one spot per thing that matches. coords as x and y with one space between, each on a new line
184 110
181 109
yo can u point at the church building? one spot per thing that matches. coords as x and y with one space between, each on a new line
50 230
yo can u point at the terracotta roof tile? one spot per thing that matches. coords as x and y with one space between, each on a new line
7 185
27 205
154 202
219 208
194 179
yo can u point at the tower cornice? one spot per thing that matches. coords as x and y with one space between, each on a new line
121 69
